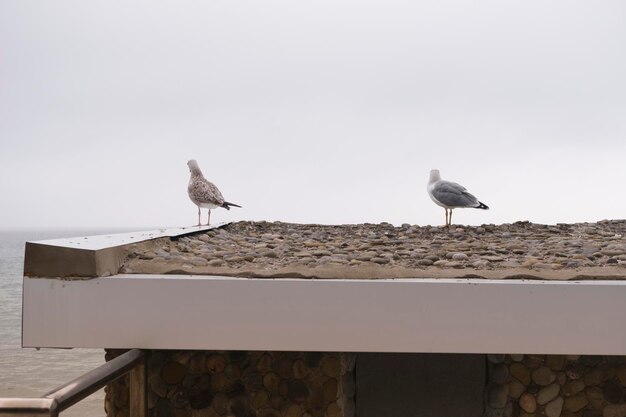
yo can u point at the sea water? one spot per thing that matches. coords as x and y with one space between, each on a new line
30 372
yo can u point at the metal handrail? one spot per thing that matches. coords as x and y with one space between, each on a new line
29 407
63 397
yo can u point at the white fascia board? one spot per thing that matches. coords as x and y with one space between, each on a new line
408 315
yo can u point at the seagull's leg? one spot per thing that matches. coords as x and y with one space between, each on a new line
198 215
450 217
208 220
446 215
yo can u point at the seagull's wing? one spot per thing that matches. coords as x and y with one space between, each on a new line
452 194
206 192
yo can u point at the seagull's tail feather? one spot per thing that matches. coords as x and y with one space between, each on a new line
482 206
227 205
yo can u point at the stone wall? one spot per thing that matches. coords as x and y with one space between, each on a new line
296 384
242 384
556 386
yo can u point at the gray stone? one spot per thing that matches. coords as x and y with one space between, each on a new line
543 376
608 372
544 265
593 377
614 250
554 408
556 362
576 403
528 403
516 357
338 259
197 363
446 264
198 261
379 260
595 397
612 392
457 256
548 393
614 410
535 361
573 388
520 372
516 389
496 358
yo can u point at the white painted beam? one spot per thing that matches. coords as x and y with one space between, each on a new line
425 315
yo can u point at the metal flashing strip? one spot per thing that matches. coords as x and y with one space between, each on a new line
99 242
91 256
404 315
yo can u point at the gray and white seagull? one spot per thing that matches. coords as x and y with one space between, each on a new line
451 195
204 193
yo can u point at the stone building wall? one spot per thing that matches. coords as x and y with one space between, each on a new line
242 384
297 384
556 386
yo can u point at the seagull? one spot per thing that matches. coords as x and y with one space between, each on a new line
451 195
204 193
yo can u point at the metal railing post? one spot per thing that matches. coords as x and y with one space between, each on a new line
138 387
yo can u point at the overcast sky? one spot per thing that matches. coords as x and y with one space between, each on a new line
311 111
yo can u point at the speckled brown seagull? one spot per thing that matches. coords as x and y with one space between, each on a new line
204 193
